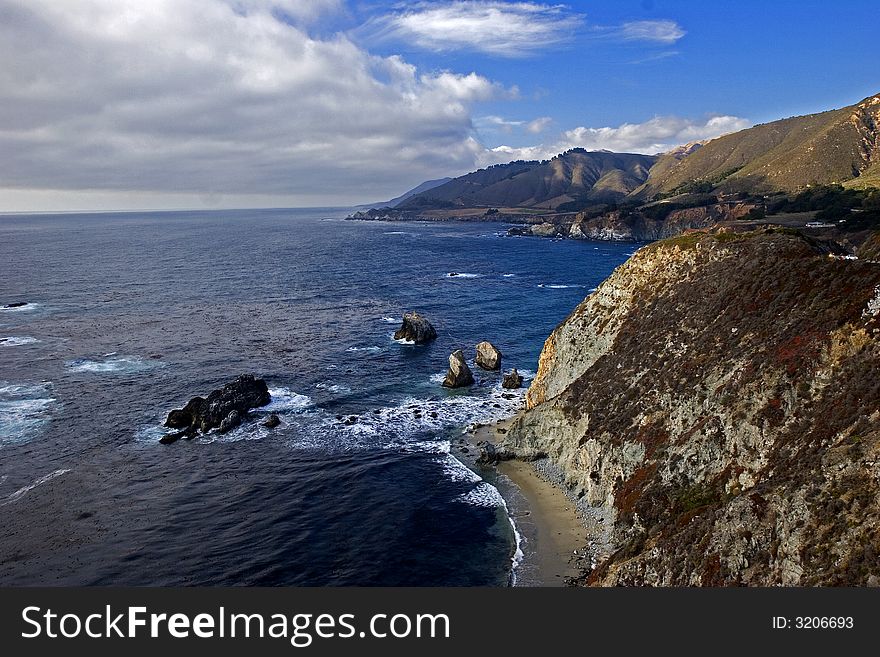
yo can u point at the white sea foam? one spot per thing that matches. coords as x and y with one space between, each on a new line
404 342
24 490
113 365
337 388
372 349
508 275
390 320
19 309
559 286
24 411
456 274
17 341
285 399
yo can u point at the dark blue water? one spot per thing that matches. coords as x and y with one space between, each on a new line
130 315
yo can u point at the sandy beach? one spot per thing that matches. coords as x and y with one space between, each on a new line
553 534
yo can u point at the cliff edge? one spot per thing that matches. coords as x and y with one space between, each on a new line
715 408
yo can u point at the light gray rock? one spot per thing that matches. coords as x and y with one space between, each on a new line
488 356
459 374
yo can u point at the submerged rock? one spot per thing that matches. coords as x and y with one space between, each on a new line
488 356
459 374
223 408
272 421
512 380
415 328
17 304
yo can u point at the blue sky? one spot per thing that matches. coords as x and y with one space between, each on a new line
122 104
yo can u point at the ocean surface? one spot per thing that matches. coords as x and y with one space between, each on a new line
130 315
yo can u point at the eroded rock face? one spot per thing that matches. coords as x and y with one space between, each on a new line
488 356
222 409
459 374
416 329
716 404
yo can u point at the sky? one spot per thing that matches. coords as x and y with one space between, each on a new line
172 104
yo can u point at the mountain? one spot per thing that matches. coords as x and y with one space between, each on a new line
425 186
576 176
712 407
833 147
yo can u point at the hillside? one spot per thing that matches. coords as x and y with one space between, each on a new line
715 410
424 187
826 148
575 176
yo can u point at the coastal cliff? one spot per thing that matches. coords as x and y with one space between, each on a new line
714 408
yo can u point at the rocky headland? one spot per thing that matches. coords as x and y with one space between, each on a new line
714 410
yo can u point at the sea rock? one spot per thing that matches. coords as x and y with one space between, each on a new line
223 408
459 374
512 380
488 356
415 328
491 454
272 421
17 304
230 422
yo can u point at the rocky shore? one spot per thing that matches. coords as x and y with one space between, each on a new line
715 410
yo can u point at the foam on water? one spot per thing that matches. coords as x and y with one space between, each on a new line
372 349
389 320
337 388
559 286
455 274
112 365
24 411
508 275
21 492
19 309
17 341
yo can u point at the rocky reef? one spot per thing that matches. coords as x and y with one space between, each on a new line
714 408
488 356
223 409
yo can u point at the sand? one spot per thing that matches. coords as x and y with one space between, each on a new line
553 533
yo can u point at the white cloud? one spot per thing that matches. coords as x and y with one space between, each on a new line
507 29
653 136
660 31
539 125
210 97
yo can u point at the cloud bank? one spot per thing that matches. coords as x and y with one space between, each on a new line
217 97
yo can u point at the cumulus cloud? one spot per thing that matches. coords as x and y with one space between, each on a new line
507 29
664 32
653 136
218 97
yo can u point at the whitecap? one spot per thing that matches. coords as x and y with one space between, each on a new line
508 275
455 274
24 411
21 492
359 349
389 320
337 388
403 341
285 400
112 365
19 309
17 341
559 286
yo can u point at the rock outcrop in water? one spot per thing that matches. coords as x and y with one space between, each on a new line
459 374
714 407
222 409
512 380
488 356
416 329
16 304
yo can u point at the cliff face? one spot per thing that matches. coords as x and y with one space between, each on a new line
715 406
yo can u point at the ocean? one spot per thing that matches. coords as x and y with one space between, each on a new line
129 315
